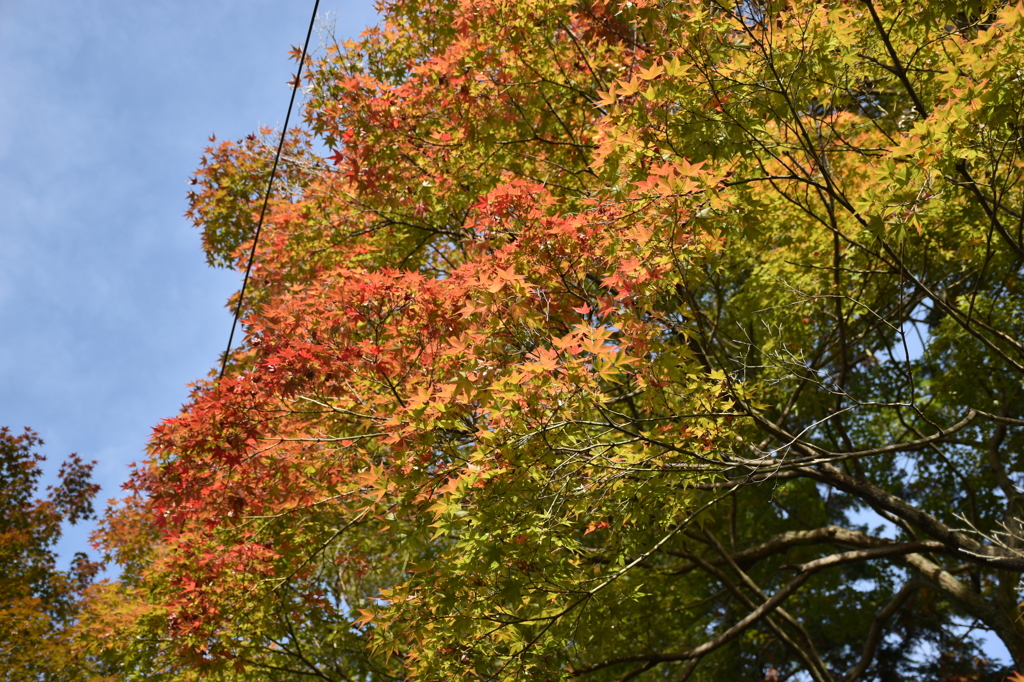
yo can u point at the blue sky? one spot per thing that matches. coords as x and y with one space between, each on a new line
107 307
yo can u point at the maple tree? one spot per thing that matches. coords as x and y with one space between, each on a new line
39 603
609 340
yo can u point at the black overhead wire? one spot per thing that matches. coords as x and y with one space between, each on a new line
270 186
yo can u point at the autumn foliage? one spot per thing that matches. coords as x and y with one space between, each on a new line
39 603
609 341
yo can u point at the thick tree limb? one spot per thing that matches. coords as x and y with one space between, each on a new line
724 638
963 545
1010 631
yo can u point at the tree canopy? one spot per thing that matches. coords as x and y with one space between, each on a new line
603 340
40 603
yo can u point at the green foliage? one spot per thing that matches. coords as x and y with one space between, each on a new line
40 604
611 341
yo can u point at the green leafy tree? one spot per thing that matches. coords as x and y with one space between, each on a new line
40 604
611 340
